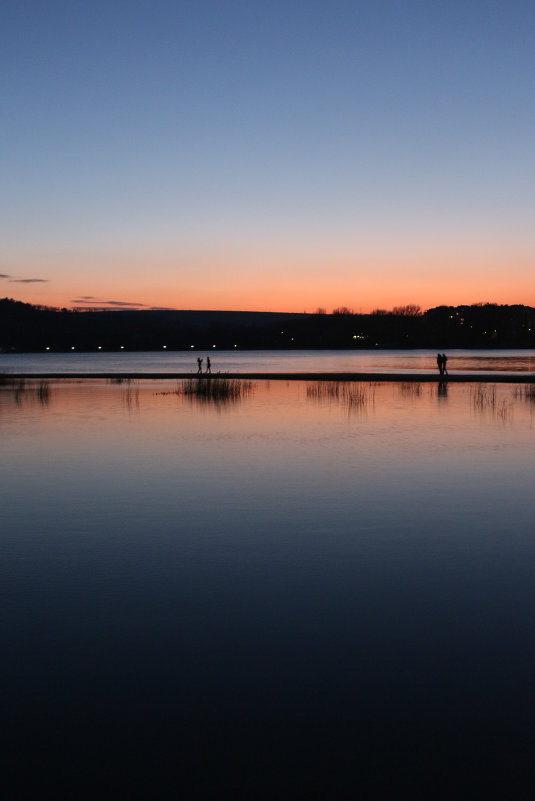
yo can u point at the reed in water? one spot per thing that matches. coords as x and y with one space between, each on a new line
215 389
526 393
354 394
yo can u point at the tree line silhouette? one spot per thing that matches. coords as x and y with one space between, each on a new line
26 327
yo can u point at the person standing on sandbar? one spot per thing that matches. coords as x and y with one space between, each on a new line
208 365
199 365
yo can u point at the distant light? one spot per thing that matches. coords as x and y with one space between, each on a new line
100 347
122 347
354 336
72 347
235 346
192 346
213 346
47 348
165 347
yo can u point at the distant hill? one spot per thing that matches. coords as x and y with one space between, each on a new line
24 327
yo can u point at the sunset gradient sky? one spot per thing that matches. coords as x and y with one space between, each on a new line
267 155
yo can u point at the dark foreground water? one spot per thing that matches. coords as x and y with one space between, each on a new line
312 591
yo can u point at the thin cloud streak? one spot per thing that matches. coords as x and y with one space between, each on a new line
90 300
28 281
123 303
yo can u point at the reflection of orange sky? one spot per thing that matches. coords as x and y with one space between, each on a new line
276 440
276 281
109 438
271 408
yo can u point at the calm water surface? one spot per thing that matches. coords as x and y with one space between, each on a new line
381 361
313 591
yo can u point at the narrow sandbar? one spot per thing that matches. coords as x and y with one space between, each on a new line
502 378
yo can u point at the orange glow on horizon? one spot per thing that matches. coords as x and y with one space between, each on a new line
274 281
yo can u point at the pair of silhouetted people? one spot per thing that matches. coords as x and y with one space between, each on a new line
442 361
208 365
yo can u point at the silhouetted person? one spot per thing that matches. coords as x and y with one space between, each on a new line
208 365
440 364
444 364
199 364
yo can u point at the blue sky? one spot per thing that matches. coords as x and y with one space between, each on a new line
268 155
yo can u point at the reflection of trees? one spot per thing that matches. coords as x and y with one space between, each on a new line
525 393
355 396
130 396
25 390
409 389
217 391
43 392
131 399
485 402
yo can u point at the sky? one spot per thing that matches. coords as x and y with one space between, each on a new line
275 155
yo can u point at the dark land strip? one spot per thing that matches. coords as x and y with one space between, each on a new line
25 329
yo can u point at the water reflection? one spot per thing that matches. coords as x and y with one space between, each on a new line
212 391
287 584
488 402
409 389
21 390
130 396
216 391
131 399
526 393
355 396
494 402
442 390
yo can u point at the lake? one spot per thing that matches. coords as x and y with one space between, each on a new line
300 590
265 361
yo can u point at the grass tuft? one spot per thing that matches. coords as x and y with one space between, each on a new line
215 389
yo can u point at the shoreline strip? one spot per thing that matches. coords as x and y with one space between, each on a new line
454 378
